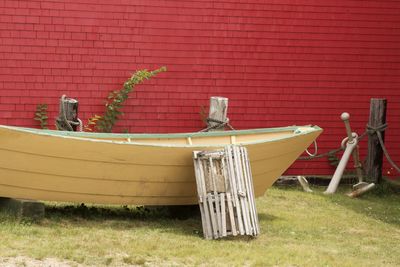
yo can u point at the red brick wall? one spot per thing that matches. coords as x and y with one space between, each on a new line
280 62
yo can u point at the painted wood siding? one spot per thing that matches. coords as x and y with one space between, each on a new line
279 62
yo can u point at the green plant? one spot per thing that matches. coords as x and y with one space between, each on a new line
116 99
203 114
41 115
89 127
333 159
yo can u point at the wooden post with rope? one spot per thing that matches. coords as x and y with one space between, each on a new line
377 118
67 119
218 113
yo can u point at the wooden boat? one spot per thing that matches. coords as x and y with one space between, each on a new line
137 169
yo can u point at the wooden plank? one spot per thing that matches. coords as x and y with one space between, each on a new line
204 198
249 200
245 188
377 117
214 225
223 215
216 196
200 194
250 179
243 153
249 186
232 179
241 190
231 214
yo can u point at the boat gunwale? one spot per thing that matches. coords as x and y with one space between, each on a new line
91 137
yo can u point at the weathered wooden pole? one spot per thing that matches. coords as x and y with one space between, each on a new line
217 115
67 119
377 118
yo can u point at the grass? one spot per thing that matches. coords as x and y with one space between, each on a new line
298 229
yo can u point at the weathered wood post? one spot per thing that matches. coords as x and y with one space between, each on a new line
377 118
217 115
67 119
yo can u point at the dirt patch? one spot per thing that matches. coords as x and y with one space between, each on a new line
29 262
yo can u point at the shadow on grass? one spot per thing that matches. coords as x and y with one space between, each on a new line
181 220
98 213
381 203
264 217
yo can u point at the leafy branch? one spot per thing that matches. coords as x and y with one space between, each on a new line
41 115
116 99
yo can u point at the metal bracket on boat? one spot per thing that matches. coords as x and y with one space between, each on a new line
350 144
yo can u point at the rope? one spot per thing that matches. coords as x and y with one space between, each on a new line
219 124
370 131
80 125
331 152
377 130
364 134
64 119
64 115
381 128
315 150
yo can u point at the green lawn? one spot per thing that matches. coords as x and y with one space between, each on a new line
297 229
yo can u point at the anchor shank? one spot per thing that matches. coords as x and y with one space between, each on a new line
333 185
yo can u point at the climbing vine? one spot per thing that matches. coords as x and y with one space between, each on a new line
92 122
41 115
333 159
115 101
203 114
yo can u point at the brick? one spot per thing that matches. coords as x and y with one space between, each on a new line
52 5
45 20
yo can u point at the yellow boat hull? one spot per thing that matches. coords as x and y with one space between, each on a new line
132 169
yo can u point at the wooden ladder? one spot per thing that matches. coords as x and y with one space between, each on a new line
225 192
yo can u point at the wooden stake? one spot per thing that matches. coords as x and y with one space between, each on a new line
67 119
377 117
218 111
